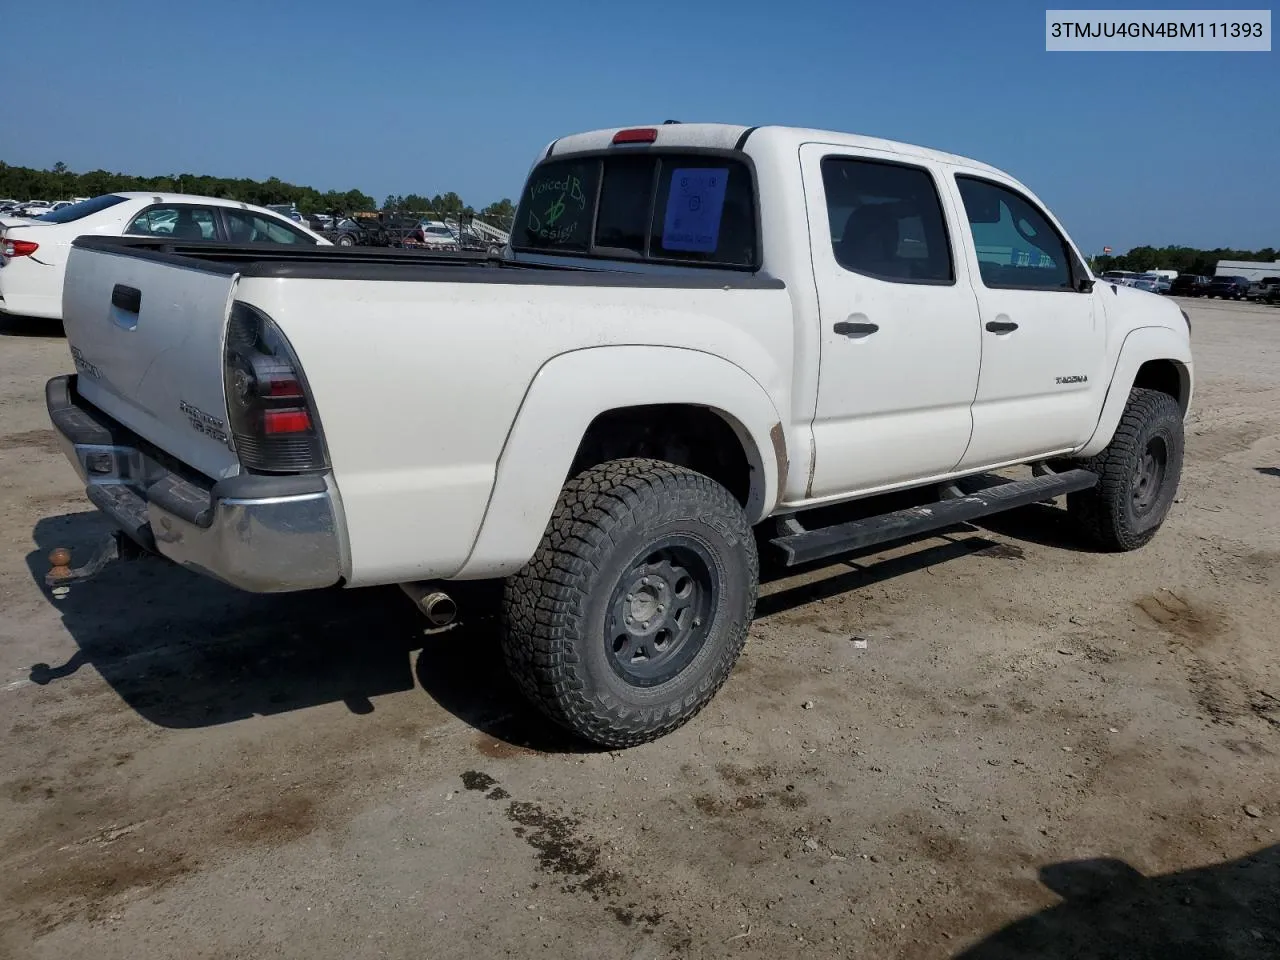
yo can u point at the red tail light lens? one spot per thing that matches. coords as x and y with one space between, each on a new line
276 422
19 248
273 420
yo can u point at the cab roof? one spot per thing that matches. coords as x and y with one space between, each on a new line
728 136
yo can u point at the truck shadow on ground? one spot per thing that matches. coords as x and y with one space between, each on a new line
184 651
1110 910
12 325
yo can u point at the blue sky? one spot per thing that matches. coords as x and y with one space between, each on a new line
397 96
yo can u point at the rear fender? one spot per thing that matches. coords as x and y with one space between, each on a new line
568 393
1140 346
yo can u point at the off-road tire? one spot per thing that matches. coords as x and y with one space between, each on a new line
558 609
1112 515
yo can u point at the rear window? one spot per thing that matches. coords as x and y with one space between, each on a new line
82 209
664 207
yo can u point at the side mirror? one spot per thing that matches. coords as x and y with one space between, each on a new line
1084 284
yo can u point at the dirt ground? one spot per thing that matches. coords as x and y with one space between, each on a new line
1039 751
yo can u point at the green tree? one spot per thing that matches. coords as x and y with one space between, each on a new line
450 204
500 214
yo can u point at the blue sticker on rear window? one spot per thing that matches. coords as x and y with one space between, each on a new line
694 203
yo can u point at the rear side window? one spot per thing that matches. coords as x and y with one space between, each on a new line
1018 248
663 207
245 226
886 221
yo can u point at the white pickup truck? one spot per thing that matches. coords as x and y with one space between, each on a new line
697 330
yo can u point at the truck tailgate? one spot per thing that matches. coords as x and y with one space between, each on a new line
147 340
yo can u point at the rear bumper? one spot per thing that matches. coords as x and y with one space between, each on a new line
259 533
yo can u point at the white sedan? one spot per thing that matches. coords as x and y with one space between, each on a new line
33 253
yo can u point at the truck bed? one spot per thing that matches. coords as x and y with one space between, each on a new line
437 378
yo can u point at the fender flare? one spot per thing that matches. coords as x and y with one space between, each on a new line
568 392
1140 346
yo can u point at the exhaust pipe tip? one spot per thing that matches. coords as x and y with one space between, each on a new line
439 608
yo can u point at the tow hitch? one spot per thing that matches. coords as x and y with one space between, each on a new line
61 574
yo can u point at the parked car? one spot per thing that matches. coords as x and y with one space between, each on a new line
32 208
1266 290
1188 285
1228 288
374 230
608 409
435 235
1122 277
1152 283
347 233
288 211
33 253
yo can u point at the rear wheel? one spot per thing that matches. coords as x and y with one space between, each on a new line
1138 474
346 240
635 607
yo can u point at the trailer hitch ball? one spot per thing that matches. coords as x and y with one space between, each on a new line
60 560
60 570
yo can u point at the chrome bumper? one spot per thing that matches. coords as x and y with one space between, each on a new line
259 533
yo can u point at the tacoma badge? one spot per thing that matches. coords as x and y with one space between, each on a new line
204 423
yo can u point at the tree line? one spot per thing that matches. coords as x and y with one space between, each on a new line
1183 259
450 205
60 183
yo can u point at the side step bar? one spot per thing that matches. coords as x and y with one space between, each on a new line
803 546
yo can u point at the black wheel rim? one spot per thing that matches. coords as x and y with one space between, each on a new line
660 613
1148 475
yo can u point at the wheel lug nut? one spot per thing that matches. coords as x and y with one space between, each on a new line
630 598
697 621
644 581
646 624
661 608
631 619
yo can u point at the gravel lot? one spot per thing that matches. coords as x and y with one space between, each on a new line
1039 751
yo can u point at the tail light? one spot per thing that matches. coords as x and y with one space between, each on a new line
636 135
269 408
18 248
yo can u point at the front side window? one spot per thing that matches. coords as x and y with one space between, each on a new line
245 226
663 207
886 221
175 222
1018 248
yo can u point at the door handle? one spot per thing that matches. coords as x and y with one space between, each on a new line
1001 326
128 299
855 330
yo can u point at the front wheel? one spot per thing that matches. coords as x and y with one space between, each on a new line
346 240
1138 474
635 607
